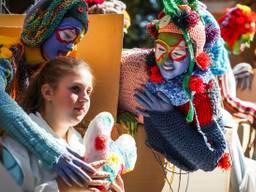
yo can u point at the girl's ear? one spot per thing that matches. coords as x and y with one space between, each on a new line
47 92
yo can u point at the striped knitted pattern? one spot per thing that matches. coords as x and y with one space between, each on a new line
42 22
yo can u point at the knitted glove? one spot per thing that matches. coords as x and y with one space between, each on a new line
71 168
244 75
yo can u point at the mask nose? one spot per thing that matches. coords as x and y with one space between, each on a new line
70 46
168 62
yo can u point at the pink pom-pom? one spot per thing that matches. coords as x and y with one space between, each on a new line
196 84
203 61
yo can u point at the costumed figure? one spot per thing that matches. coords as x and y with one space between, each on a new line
51 29
179 75
238 27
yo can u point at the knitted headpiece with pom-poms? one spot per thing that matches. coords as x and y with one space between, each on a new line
184 19
45 16
237 21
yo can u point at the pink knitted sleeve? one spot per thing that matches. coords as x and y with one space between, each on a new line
133 75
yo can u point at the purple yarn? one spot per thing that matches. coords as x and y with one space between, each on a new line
212 34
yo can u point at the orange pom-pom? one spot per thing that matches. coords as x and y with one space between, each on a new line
225 162
203 61
196 84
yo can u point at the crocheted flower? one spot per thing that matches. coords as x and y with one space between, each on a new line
182 20
151 28
155 75
80 9
193 19
100 143
203 61
196 84
94 2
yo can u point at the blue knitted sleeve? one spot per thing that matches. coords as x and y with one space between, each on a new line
19 125
180 143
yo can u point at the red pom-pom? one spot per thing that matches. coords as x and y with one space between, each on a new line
155 75
225 162
160 15
196 84
152 30
203 61
100 143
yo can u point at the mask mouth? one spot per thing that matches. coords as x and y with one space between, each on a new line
168 66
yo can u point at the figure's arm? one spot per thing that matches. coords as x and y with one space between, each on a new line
173 125
19 125
169 133
233 104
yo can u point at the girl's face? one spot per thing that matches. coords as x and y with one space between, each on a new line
171 55
64 38
70 101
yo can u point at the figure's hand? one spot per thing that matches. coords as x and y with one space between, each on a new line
243 73
97 179
151 102
72 169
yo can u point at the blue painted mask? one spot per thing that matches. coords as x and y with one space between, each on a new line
63 39
171 55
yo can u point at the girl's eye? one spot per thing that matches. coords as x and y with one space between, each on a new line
89 92
75 89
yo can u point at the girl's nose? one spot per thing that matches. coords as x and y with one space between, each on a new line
84 97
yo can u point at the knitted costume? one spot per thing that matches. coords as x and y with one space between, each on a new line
237 21
195 91
15 71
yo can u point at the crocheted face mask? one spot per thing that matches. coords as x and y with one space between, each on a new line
171 55
64 38
243 42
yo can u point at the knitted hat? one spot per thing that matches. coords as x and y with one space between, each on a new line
237 21
180 18
45 16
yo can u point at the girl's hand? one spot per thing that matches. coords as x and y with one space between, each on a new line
151 102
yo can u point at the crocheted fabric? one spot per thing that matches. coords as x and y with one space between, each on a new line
169 134
237 21
133 75
46 16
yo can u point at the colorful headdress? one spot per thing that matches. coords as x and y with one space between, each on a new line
184 19
45 16
236 22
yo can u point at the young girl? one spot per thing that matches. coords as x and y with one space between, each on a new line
57 100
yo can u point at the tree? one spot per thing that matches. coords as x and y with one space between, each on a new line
141 13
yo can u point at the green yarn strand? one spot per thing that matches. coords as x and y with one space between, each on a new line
170 7
190 115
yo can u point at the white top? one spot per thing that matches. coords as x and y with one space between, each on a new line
38 178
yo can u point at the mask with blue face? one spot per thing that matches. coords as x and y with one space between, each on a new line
64 38
171 55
